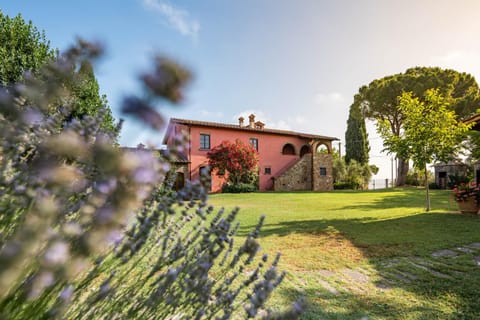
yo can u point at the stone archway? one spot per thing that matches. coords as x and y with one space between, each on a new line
322 148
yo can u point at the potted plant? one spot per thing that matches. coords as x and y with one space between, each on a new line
467 196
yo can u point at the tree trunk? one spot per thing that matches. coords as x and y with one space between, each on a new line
427 189
402 172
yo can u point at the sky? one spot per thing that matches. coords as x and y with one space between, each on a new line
295 64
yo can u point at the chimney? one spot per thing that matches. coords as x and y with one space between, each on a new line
251 121
240 121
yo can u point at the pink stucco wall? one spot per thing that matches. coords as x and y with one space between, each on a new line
270 147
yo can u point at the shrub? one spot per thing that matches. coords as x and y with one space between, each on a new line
353 175
416 177
239 188
90 230
236 159
456 179
412 179
466 190
433 185
345 185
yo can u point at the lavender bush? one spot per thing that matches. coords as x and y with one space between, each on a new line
91 230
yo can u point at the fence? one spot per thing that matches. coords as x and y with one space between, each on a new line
380 184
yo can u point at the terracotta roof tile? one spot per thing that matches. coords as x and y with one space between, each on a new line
246 128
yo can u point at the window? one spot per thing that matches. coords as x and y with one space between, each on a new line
268 170
288 149
323 171
204 141
254 143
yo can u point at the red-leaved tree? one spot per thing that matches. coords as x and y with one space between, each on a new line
238 159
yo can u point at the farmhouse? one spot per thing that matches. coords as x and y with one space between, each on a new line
448 173
288 160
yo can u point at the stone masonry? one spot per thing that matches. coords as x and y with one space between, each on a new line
322 182
296 178
311 172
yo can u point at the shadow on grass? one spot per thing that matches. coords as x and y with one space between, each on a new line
378 240
350 306
403 198
421 233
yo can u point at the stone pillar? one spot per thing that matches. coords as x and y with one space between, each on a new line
322 167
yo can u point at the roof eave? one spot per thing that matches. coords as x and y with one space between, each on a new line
234 127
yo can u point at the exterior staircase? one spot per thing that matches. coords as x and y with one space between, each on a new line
296 176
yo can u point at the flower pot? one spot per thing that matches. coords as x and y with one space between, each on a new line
468 206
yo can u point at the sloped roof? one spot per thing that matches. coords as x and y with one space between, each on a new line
245 128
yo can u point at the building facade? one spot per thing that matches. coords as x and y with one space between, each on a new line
288 160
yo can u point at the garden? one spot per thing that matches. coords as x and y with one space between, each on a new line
369 254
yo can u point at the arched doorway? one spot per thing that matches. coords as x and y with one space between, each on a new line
179 181
305 150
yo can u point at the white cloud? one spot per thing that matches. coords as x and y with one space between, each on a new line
281 124
211 114
177 19
299 120
463 61
329 98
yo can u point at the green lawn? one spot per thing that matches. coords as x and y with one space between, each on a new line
373 254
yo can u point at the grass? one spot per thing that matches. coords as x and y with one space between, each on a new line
353 255
369 254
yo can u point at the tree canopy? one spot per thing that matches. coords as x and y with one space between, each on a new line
25 49
380 99
22 48
431 131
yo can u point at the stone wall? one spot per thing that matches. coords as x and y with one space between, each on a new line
322 182
296 178
304 176
444 170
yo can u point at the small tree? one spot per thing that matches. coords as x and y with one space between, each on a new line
430 132
238 159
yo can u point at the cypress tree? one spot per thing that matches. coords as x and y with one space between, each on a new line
356 137
87 97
